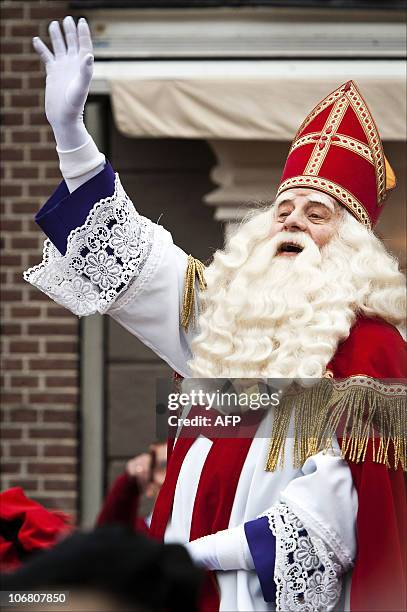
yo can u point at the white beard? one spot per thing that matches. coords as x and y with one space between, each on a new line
278 316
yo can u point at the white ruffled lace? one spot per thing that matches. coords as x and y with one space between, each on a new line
306 573
114 249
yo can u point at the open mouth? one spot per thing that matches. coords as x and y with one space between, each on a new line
289 248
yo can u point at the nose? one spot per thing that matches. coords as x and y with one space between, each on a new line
294 222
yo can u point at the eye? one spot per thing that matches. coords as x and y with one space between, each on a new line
283 215
315 216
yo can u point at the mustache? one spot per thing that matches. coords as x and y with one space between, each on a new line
300 239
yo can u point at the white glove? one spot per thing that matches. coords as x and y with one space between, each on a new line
224 550
69 72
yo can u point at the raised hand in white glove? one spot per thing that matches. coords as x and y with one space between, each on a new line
69 72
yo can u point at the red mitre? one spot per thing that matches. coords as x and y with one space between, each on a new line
338 150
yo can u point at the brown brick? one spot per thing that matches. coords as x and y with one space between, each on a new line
10 329
11 225
33 259
61 381
25 483
11 190
11 295
60 312
25 65
10 260
12 118
17 278
59 450
40 467
36 82
11 46
53 172
25 242
23 312
11 12
43 154
10 467
38 118
11 154
24 346
25 136
54 11
54 398
23 415
60 485
11 398
27 207
25 100
12 83
11 433
52 364
24 381
23 450
35 295
38 189
67 504
11 364
64 329
26 30
52 433
62 346
60 416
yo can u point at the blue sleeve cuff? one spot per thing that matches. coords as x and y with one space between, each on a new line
262 546
64 211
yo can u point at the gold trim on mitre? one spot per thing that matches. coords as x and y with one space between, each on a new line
356 409
194 270
345 197
349 94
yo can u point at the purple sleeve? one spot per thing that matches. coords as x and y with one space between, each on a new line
65 211
262 546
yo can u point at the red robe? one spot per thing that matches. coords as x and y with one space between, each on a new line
373 348
376 349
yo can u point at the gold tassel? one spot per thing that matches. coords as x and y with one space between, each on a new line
356 409
195 269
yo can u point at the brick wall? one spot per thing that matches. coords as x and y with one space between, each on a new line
39 436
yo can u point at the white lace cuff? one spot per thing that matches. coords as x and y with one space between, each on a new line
115 248
307 573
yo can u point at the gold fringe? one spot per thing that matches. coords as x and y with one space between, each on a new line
195 269
356 409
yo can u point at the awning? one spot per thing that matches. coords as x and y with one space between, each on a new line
253 108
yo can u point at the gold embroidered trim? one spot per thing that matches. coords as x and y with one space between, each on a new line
357 409
333 189
321 106
195 269
303 140
323 145
352 144
354 97
373 138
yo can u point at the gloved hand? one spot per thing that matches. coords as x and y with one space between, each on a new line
224 550
69 72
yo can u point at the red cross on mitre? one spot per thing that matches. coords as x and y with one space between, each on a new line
338 150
